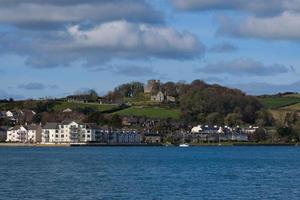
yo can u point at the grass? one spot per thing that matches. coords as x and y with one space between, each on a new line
72 105
293 107
151 112
293 95
278 102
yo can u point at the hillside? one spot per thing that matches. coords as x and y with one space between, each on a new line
275 102
194 102
280 105
57 106
60 106
151 112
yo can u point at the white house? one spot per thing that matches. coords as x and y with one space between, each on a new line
16 134
196 129
9 114
25 134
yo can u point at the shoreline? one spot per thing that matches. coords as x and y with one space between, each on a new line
78 145
144 145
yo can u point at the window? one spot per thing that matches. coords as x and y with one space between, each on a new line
62 136
56 136
88 136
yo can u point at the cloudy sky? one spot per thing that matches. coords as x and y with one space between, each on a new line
58 47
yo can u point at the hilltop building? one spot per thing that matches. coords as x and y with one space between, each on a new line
151 84
160 97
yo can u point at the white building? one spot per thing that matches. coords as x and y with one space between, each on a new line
9 114
66 132
74 132
24 134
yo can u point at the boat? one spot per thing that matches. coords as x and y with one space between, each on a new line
184 145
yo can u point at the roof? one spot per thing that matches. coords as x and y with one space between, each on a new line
4 128
69 121
17 127
33 127
51 125
92 126
152 134
67 110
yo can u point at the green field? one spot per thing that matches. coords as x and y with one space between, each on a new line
60 106
57 106
151 112
293 107
278 102
292 95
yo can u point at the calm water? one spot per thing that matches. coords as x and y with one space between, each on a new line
150 173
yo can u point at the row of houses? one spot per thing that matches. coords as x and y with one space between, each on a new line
17 116
206 133
76 132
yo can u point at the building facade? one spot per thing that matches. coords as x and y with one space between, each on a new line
74 132
24 134
66 132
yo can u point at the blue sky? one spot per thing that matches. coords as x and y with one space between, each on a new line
60 47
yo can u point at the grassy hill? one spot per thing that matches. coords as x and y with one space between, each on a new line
279 106
151 112
60 106
293 107
55 105
275 102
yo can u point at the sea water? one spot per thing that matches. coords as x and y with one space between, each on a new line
150 173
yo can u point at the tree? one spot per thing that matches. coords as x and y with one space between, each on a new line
170 89
93 96
115 121
37 118
233 119
199 97
259 135
291 118
263 118
128 90
214 118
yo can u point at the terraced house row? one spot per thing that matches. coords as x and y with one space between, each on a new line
74 132
71 132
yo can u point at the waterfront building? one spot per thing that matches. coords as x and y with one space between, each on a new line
66 132
75 132
206 133
24 134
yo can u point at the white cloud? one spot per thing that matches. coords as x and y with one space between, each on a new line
101 44
282 27
257 7
244 67
133 40
52 14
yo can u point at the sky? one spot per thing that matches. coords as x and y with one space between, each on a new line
54 48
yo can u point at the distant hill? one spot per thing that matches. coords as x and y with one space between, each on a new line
200 101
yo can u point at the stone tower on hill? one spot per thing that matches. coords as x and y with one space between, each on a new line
150 85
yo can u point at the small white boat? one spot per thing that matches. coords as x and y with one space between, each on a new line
184 145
